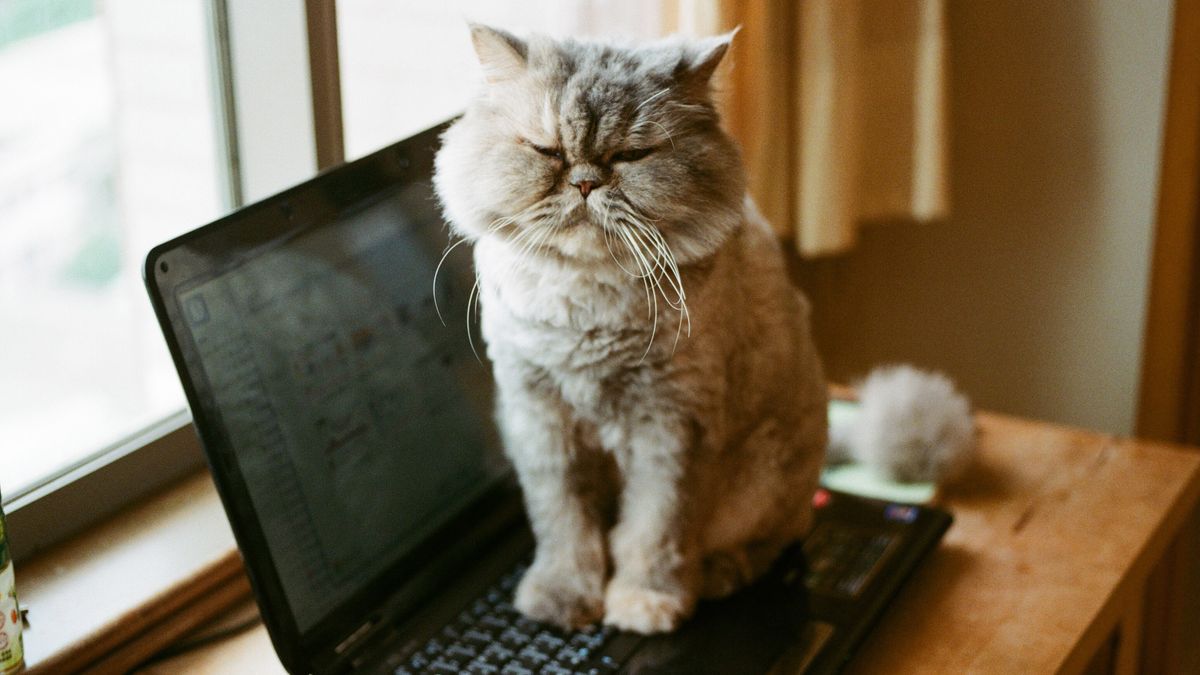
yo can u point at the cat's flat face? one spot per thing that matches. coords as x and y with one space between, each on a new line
584 150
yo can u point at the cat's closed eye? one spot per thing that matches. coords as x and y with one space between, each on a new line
631 155
552 153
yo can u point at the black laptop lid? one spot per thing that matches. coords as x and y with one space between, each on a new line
346 423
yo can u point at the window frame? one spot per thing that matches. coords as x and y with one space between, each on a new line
279 120
98 486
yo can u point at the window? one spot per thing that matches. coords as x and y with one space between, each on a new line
407 64
108 145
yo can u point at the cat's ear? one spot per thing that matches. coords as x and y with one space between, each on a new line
701 58
502 54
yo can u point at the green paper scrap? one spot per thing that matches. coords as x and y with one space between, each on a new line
841 412
864 481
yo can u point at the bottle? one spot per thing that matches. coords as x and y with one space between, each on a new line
12 650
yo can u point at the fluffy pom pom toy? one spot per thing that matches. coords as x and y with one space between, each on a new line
911 426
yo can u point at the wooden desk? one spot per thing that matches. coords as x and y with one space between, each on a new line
1056 532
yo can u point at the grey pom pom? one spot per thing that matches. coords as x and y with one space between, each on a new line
913 426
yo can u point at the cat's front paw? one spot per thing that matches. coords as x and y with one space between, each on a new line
558 598
644 610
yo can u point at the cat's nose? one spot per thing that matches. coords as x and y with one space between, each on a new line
586 178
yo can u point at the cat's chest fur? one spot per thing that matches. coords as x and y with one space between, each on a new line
587 327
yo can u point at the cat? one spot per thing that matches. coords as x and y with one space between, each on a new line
658 389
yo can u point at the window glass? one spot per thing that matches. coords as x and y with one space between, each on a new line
408 64
107 147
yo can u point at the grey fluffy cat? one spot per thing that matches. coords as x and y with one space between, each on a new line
659 392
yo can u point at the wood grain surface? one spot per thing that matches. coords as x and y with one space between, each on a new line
1055 532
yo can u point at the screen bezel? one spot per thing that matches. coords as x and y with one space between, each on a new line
225 243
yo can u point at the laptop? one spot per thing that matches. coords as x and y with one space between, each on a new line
330 357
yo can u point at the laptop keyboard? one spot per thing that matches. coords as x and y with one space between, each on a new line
490 637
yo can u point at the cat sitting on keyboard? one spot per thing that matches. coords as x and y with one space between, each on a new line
659 392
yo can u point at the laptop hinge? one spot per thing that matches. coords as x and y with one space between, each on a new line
353 639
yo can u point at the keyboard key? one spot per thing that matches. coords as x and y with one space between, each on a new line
548 641
573 656
433 647
445 661
513 637
462 652
591 641
531 655
443 667
482 667
497 653
493 620
515 668
527 625
478 637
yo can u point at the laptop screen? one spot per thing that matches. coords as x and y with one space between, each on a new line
360 420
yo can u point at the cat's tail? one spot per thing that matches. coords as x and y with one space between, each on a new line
911 425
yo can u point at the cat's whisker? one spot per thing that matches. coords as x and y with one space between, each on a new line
652 299
641 275
645 282
436 270
655 256
530 242
680 306
645 269
655 267
652 97
498 223
679 327
504 221
666 259
628 210
519 245
608 243
473 299
543 240
684 314
538 242
660 243
654 285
